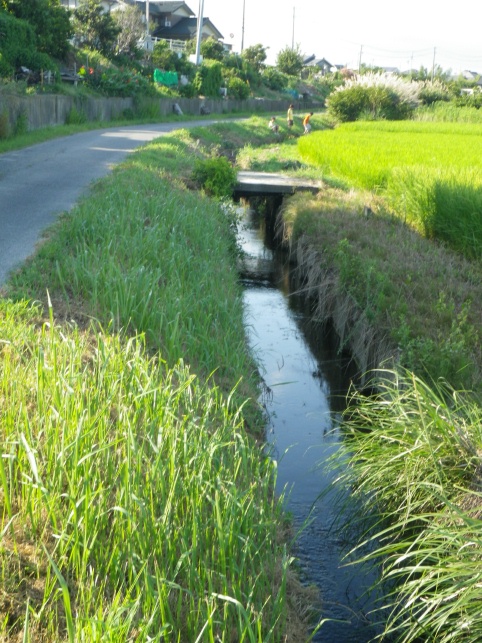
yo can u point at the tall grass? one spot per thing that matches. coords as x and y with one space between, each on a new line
413 460
136 506
149 511
442 111
146 258
428 172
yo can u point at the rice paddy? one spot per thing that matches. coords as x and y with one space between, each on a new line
428 172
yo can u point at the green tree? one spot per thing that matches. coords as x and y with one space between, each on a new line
290 61
50 22
18 47
212 49
255 56
163 57
131 29
94 28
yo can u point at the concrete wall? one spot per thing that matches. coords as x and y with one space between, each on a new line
50 109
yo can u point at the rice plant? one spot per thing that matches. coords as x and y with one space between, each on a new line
429 173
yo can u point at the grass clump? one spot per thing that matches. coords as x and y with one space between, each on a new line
216 176
134 492
413 461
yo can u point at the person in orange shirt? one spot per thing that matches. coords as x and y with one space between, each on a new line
306 123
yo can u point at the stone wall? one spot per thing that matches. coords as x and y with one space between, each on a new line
50 109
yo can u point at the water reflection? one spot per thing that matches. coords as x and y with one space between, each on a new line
306 381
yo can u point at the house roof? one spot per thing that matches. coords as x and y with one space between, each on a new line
471 75
186 29
322 63
166 8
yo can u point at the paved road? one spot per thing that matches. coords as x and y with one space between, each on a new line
39 182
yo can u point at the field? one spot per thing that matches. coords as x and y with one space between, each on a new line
429 173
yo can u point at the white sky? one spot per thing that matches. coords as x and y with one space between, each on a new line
405 35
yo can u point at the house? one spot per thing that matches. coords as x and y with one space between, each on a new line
323 66
170 20
176 21
472 75
391 71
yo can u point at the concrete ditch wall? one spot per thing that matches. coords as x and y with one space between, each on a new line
51 109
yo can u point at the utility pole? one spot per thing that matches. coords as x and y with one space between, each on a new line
293 32
433 63
359 60
147 22
200 20
242 27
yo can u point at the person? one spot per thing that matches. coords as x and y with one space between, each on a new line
289 116
306 123
273 125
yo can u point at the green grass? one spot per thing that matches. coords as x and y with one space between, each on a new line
147 507
429 173
422 299
137 505
448 112
413 461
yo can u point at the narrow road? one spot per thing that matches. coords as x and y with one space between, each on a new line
39 182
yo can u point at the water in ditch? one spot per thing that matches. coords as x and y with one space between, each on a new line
306 381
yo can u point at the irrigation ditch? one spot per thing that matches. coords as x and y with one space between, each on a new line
304 338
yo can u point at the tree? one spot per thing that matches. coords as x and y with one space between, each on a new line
131 29
290 61
18 47
50 22
94 28
212 49
255 56
164 57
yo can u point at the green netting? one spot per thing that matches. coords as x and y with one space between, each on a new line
165 77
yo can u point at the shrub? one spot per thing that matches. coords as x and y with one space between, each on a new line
274 79
208 79
6 70
348 104
375 95
187 91
238 88
75 117
113 81
470 100
21 124
216 176
432 92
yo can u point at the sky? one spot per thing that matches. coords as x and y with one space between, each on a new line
406 35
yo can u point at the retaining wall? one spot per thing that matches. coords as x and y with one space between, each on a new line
51 109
